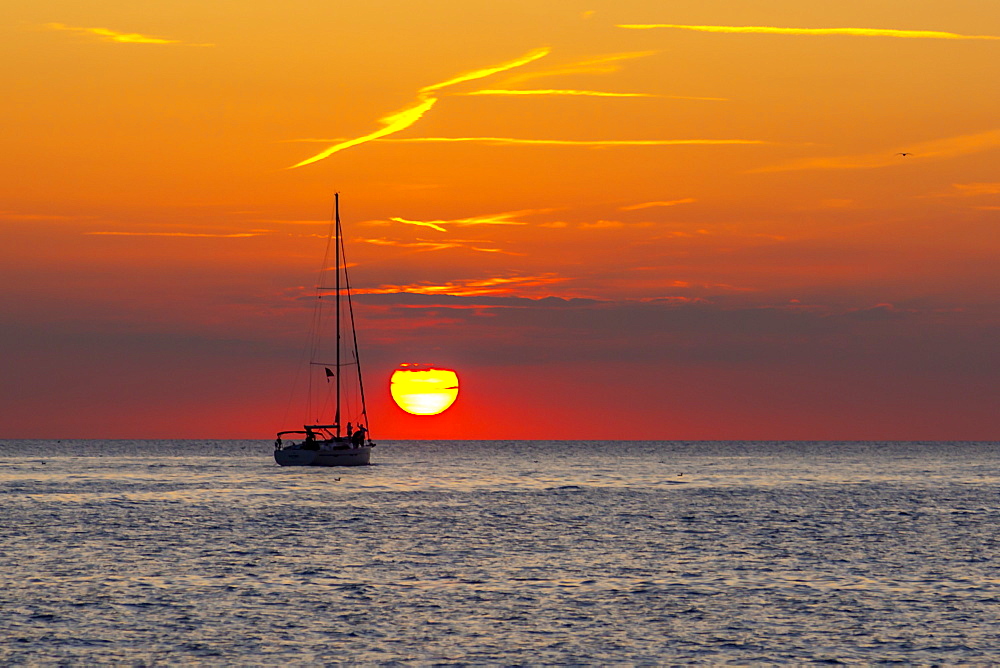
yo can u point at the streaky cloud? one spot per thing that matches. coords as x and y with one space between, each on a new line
421 223
425 100
649 205
579 142
510 301
401 120
602 225
695 97
437 245
973 189
418 245
601 65
555 92
968 190
948 147
469 288
505 218
285 221
115 36
531 56
585 93
234 235
391 124
11 215
771 30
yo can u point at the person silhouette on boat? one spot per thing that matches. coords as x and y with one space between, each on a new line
310 442
358 439
350 431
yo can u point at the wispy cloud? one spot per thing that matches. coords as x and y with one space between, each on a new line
390 125
284 221
968 190
425 100
579 142
417 245
529 57
585 93
974 189
602 225
469 288
473 245
649 205
499 141
234 235
506 218
605 64
771 30
421 223
11 215
114 36
555 92
939 148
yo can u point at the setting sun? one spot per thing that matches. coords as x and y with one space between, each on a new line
423 391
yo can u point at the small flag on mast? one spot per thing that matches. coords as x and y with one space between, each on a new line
329 374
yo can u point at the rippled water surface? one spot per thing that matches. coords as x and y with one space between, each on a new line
177 552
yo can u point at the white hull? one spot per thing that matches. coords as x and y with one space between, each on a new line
341 457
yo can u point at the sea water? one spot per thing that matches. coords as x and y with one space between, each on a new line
500 553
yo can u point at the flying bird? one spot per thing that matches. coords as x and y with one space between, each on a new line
904 154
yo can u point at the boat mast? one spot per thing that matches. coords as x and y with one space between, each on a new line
336 243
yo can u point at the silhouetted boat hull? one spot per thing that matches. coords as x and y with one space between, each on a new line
332 456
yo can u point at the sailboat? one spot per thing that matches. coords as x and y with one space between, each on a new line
335 389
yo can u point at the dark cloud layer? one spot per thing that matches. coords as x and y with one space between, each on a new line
674 369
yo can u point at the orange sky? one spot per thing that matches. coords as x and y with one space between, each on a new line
626 219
